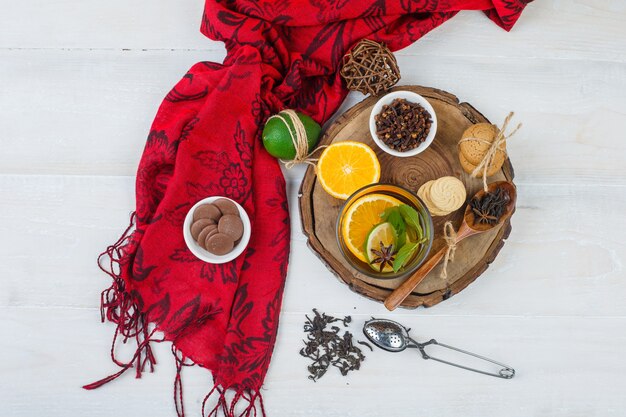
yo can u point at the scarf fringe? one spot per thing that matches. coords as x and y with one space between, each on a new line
181 362
118 307
252 397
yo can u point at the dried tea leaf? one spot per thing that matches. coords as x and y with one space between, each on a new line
329 347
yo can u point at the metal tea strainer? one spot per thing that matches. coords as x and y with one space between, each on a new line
394 337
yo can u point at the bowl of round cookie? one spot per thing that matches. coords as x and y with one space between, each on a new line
217 229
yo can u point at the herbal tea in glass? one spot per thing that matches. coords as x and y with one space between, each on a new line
384 231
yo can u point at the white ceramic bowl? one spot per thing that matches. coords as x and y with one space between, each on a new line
202 253
413 98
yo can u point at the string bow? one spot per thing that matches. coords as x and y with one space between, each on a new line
498 144
450 236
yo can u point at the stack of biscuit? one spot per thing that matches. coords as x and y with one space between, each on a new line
443 196
475 144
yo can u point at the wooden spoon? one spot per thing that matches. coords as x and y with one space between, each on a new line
468 228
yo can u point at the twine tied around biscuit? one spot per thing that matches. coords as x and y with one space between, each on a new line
449 235
298 138
498 144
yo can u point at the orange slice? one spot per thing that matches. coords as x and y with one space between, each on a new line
344 167
360 219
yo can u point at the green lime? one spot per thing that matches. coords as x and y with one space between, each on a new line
277 140
383 234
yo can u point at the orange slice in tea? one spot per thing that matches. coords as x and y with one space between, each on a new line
344 167
360 219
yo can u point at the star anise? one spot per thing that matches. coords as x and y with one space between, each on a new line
490 207
385 256
484 217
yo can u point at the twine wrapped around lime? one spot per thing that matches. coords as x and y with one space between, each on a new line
291 137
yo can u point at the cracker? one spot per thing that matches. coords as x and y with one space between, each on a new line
448 194
424 194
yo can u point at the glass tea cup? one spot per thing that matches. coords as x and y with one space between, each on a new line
406 197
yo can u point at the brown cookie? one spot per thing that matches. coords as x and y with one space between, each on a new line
207 211
204 233
231 225
198 225
208 236
476 140
220 244
469 167
226 206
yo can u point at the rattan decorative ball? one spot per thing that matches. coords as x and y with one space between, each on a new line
370 67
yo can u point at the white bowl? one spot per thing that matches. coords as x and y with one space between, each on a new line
204 254
413 98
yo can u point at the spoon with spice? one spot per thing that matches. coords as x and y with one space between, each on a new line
486 210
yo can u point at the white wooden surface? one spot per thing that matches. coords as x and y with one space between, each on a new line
80 82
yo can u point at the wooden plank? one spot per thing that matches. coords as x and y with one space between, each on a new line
54 227
167 24
559 360
94 109
585 29
82 108
76 104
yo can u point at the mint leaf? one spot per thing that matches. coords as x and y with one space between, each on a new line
412 218
385 214
401 240
411 234
397 222
404 254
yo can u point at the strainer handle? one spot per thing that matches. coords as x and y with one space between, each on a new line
506 372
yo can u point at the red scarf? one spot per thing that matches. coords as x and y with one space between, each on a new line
205 141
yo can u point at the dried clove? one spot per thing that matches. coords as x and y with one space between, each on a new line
403 125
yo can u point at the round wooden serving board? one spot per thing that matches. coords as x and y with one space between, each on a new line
319 211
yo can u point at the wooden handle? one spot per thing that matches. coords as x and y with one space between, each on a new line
396 298
399 294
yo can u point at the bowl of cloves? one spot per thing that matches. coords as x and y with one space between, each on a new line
403 123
